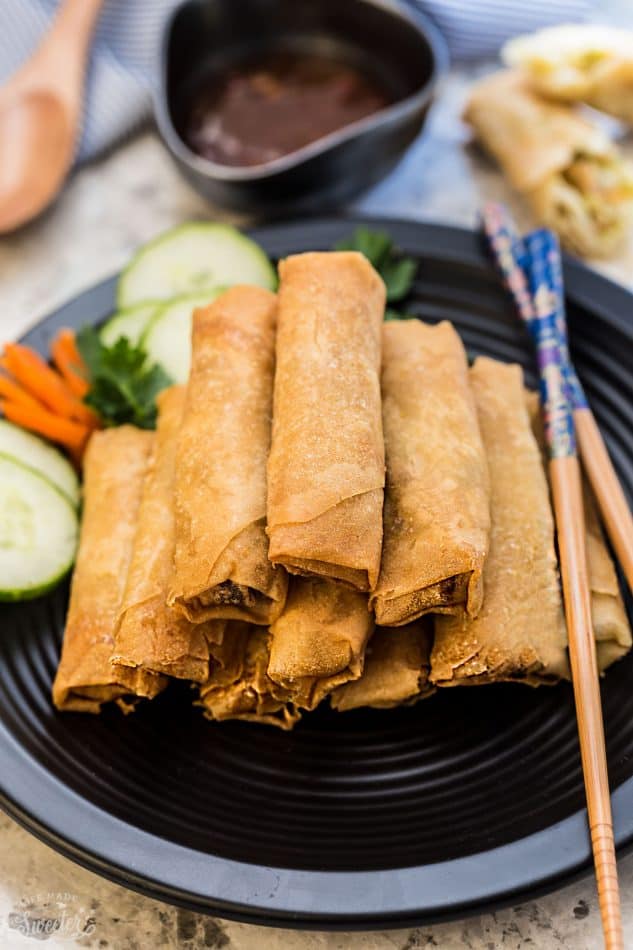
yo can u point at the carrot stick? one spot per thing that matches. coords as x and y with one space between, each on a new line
17 393
70 434
43 382
63 353
69 342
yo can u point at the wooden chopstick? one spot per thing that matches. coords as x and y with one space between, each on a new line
508 249
606 486
567 495
570 528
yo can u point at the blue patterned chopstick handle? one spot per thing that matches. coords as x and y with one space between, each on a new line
511 256
544 328
576 392
506 246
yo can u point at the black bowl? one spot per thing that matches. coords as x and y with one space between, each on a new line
395 44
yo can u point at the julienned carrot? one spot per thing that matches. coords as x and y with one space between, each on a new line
67 360
43 382
72 435
67 337
16 393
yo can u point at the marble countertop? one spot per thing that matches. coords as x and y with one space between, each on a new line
108 209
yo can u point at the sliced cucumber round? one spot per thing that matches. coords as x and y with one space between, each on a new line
130 323
35 453
38 533
168 337
190 259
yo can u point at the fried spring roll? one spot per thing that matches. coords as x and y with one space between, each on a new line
221 566
519 633
574 177
114 469
150 635
326 466
396 672
319 640
610 623
437 510
239 686
579 63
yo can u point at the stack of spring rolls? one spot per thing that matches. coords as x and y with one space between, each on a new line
333 508
573 176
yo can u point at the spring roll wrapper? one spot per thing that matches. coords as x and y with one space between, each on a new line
610 623
536 142
150 635
530 137
221 566
239 686
114 469
437 505
578 63
519 633
326 466
396 672
319 640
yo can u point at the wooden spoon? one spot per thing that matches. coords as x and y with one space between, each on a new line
40 111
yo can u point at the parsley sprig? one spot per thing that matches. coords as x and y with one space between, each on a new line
123 383
398 272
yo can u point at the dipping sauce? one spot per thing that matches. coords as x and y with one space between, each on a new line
273 106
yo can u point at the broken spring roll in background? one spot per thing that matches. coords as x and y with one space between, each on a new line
239 686
114 469
519 633
574 177
221 566
319 640
150 635
396 672
610 623
326 466
579 62
437 509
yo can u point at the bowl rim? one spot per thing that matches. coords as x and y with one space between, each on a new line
414 18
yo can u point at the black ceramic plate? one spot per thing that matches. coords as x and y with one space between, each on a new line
366 819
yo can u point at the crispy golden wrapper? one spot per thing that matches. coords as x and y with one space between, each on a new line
239 686
326 468
519 633
319 640
610 622
150 635
114 469
574 177
221 566
396 673
437 506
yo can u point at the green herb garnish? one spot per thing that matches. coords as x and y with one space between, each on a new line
123 384
398 272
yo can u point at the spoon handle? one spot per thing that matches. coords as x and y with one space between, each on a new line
61 57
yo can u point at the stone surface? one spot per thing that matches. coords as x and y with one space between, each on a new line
104 213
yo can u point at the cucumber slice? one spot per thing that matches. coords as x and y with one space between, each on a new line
168 338
35 453
130 323
190 259
38 532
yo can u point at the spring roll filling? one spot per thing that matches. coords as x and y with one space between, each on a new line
230 593
603 185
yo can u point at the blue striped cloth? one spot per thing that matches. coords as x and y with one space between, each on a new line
122 67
